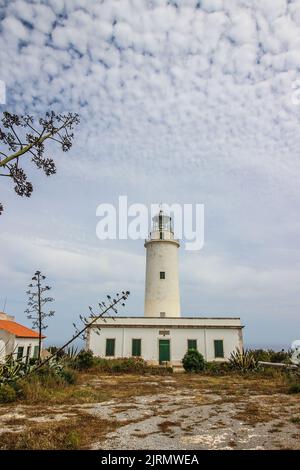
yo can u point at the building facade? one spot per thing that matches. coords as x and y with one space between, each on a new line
17 340
162 336
166 340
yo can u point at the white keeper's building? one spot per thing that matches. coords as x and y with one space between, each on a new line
162 336
17 340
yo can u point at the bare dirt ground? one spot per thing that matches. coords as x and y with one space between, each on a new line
153 412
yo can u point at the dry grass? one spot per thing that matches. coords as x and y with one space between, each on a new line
74 433
295 420
166 426
237 384
232 444
76 430
143 435
89 389
254 413
98 387
15 422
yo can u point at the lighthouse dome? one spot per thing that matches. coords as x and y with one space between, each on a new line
162 227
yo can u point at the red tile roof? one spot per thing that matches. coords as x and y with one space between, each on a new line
18 330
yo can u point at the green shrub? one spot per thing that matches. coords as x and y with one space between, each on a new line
261 354
84 360
193 361
72 440
272 372
216 368
46 377
68 376
294 388
159 370
279 356
124 365
53 374
129 365
269 355
7 393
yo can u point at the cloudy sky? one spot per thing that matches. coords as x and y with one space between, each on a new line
180 101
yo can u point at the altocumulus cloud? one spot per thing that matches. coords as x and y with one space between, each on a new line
197 93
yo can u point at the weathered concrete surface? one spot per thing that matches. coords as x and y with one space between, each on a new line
187 421
179 415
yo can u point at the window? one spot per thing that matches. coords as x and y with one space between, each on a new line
161 236
136 347
35 352
192 344
219 348
162 314
162 275
110 347
20 352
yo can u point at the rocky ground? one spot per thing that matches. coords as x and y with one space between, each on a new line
172 412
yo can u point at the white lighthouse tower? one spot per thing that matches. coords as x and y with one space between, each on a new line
162 298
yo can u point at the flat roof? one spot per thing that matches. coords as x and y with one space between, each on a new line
174 318
175 322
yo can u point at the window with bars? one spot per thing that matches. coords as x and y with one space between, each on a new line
110 347
162 275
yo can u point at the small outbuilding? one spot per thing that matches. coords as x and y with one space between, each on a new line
16 339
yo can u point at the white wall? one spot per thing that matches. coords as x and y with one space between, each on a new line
178 337
7 341
25 342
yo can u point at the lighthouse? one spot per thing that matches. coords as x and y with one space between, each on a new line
162 297
162 335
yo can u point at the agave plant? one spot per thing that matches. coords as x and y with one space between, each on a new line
71 353
11 370
243 360
55 366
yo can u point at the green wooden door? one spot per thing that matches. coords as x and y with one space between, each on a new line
164 350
